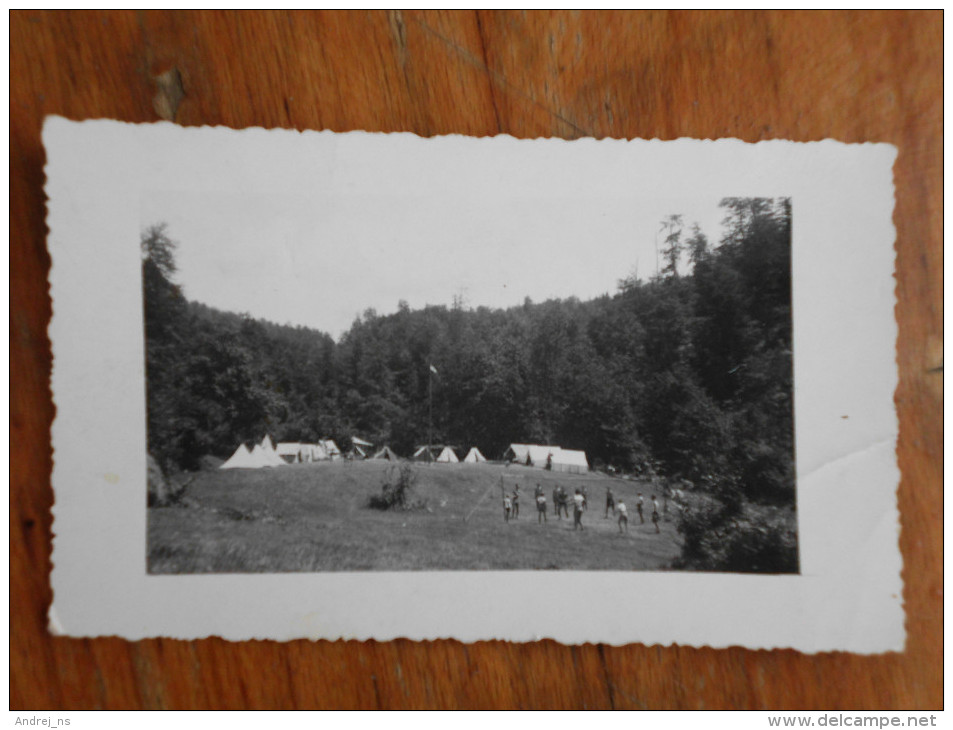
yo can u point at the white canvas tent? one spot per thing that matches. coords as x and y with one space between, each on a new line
473 456
530 454
360 442
548 457
241 459
447 456
267 444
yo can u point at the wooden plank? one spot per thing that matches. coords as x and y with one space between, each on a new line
853 76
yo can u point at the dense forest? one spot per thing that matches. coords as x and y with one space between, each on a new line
687 376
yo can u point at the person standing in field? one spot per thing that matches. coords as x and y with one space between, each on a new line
564 502
507 507
516 502
623 516
541 507
655 514
638 507
610 502
585 498
556 502
577 510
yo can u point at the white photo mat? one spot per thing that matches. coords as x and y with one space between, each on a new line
849 593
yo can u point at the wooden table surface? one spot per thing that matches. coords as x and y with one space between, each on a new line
851 76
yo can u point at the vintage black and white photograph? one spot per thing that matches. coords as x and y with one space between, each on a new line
494 382
370 386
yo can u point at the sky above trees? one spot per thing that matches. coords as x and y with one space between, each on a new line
322 260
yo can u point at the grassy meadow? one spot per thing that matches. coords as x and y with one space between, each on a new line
314 517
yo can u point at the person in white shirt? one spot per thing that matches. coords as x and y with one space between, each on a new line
623 512
578 503
507 507
655 514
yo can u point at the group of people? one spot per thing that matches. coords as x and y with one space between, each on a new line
619 509
580 504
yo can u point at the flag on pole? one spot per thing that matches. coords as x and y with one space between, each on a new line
433 369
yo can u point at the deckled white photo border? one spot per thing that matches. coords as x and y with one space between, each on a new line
849 593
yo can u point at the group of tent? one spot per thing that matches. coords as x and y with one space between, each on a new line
553 458
266 454
446 455
260 456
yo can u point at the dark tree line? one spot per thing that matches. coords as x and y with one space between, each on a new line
688 375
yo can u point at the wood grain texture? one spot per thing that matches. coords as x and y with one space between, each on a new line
852 76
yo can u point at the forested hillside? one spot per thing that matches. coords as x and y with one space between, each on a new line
688 375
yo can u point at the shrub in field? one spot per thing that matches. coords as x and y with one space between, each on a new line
397 490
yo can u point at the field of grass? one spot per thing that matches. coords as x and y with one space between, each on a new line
314 517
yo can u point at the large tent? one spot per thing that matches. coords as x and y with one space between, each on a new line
385 453
473 456
530 454
294 452
548 457
241 459
447 456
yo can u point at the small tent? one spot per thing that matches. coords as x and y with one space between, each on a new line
447 456
241 459
356 453
360 442
267 444
385 453
473 456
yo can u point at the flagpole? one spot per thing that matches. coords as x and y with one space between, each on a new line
430 416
